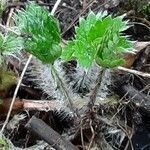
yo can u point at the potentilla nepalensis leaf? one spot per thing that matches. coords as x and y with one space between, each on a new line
42 31
69 50
99 39
80 47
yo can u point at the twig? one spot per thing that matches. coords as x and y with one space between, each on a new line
82 138
141 45
93 135
9 29
30 104
25 104
135 96
129 141
9 17
22 75
49 135
142 24
143 74
41 105
84 4
141 19
129 136
55 7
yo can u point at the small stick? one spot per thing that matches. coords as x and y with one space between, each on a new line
9 17
81 131
41 105
50 136
143 74
144 20
93 135
24 104
9 29
55 7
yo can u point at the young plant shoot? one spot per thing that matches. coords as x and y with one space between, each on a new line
98 39
43 41
42 31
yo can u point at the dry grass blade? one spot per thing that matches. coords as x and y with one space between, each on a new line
139 73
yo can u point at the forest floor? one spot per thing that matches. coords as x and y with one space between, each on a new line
122 121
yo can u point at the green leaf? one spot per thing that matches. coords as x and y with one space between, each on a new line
81 48
111 43
109 64
98 39
100 28
9 44
42 31
85 26
85 53
68 51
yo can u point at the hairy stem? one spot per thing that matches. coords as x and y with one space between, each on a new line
62 87
96 88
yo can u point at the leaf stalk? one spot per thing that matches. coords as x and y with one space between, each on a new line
96 88
61 86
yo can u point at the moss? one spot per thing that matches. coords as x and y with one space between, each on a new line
7 80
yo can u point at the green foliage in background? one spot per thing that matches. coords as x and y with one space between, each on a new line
9 44
99 39
42 31
3 143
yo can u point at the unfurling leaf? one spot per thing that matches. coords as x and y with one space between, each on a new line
42 31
